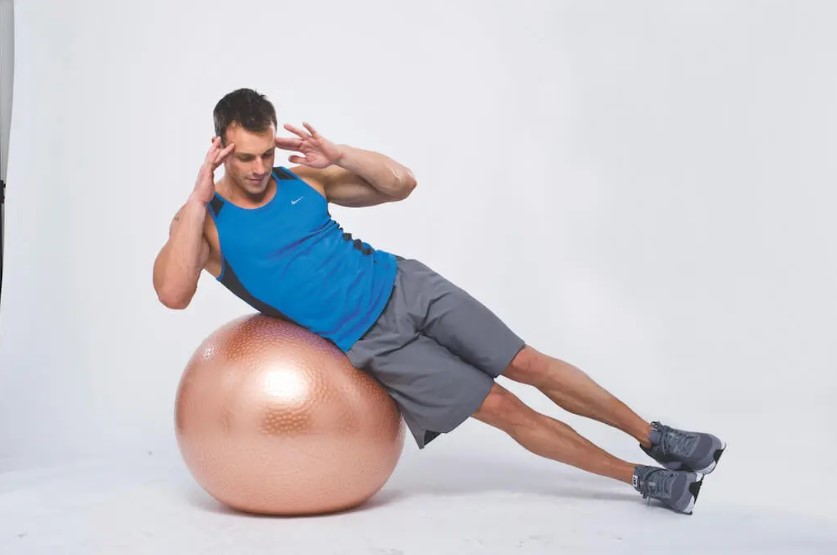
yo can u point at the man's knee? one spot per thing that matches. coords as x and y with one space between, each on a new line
502 409
527 367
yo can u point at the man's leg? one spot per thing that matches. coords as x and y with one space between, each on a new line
552 439
548 437
574 391
467 328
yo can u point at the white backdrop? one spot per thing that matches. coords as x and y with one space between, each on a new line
644 189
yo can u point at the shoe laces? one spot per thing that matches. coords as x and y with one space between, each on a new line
674 442
661 482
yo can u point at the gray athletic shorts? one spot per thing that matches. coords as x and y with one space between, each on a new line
435 349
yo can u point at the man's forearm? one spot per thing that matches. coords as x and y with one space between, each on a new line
383 173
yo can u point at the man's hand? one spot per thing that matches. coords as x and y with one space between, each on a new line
205 184
318 151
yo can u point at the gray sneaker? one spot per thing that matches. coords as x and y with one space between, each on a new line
681 450
676 489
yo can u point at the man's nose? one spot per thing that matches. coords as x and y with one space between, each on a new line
258 167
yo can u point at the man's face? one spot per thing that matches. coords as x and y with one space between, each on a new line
251 161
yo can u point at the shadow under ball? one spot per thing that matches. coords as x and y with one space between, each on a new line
271 418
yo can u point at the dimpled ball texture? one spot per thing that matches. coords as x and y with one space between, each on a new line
272 419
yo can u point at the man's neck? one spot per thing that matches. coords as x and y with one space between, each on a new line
239 196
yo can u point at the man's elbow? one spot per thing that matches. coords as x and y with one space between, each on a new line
408 185
174 301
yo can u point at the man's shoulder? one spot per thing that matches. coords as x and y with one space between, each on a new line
312 177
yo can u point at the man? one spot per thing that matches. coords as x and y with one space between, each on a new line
265 233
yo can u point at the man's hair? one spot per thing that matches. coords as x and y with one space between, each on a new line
247 108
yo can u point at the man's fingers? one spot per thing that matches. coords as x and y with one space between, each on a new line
288 143
297 131
223 154
310 128
227 149
213 148
210 155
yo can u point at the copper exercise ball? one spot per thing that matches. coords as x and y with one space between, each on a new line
273 419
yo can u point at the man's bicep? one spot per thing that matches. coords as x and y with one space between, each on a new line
206 249
340 186
356 194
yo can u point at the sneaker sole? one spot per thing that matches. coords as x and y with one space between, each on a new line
694 489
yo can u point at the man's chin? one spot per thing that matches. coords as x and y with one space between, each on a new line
254 187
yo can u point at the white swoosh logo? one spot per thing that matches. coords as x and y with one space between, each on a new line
297 200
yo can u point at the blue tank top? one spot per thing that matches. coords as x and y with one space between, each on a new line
290 259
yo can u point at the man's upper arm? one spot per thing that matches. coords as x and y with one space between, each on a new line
205 247
343 187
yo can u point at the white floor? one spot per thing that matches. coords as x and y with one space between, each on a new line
442 500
